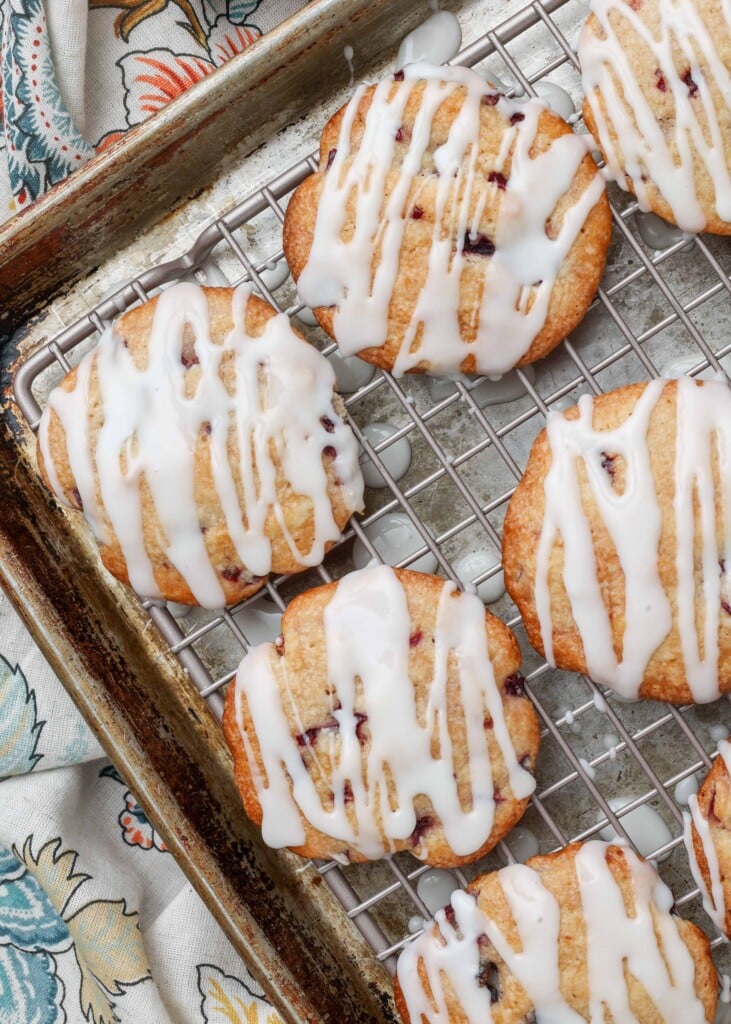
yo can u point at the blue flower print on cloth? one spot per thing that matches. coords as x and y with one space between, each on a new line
97 923
43 144
41 914
30 931
153 50
30 990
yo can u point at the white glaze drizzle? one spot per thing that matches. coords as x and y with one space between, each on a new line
367 630
151 423
633 520
525 259
644 141
714 899
614 941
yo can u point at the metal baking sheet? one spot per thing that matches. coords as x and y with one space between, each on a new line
653 308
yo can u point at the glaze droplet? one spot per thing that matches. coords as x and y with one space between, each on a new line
178 611
685 789
307 316
436 40
681 365
260 621
656 233
474 564
396 457
507 388
348 55
351 372
522 843
394 537
644 826
416 924
435 887
557 98
274 274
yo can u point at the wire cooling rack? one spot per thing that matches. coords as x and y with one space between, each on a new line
603 761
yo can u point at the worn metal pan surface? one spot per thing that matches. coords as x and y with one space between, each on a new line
134 694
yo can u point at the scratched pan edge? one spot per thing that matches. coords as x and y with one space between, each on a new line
144 770
293 935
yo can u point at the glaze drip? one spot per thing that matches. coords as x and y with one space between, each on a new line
646 945
714 899
368 637
633 519
280 401
683 42
521 262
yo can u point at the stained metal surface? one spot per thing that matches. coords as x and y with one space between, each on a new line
653 307
156 165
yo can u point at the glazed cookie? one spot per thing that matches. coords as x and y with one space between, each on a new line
448 228
585 934
203 442
617 540
708 839
390 715
657 78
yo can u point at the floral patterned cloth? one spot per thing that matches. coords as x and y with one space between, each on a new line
97 924
74 80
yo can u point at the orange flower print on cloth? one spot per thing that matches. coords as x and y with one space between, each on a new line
136 829
153 51
154 77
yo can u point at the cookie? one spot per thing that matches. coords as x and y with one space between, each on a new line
203 442
448 228
656 76
390 715
708 839
613 568
585 934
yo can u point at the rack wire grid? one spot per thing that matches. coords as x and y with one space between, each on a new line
604 763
